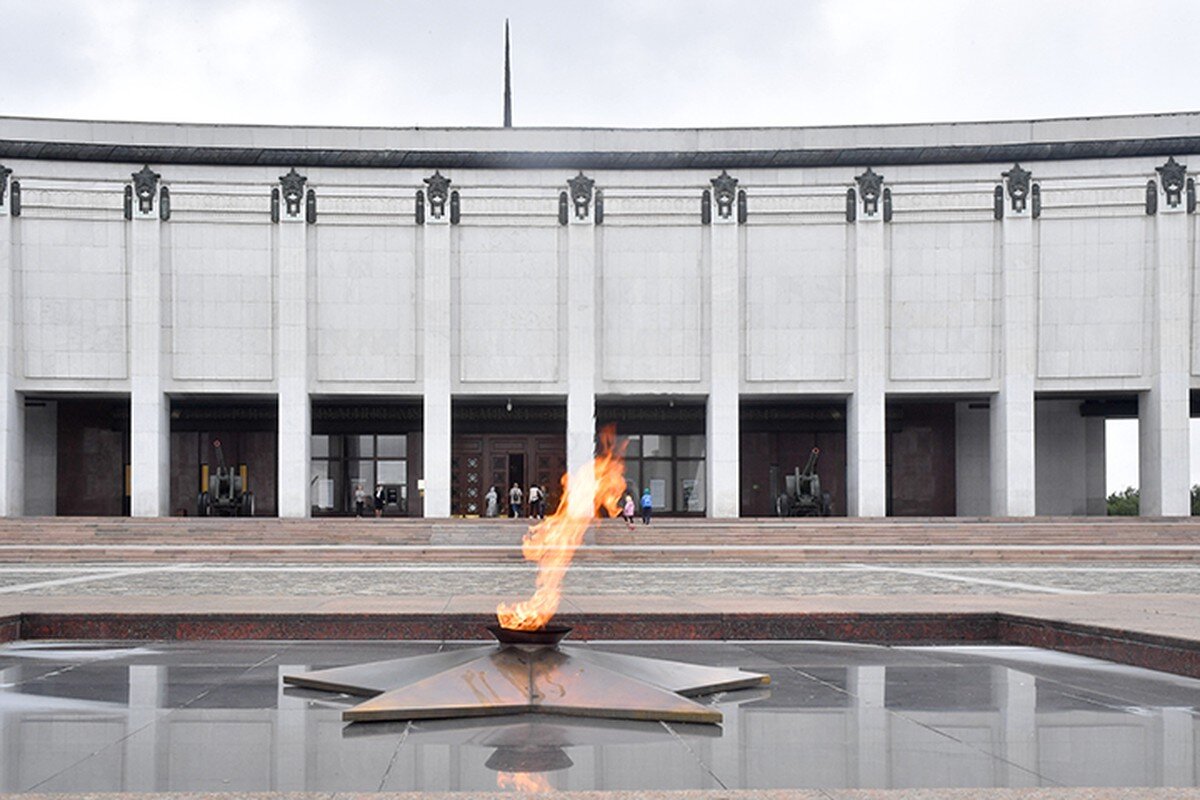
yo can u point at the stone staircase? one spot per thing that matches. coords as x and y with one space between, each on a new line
769 540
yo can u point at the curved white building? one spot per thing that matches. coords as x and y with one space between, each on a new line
949 311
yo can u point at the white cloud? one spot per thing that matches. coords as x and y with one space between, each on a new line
619 63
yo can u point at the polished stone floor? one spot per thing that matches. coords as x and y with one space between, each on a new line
215 716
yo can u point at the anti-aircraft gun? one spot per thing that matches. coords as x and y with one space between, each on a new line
803 496
226 495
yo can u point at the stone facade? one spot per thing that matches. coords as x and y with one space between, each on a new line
812 275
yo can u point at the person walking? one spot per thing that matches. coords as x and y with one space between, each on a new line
491 502
647 506
379 500
535 495
515 498
360 500
627 510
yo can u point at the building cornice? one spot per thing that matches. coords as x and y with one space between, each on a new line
13 149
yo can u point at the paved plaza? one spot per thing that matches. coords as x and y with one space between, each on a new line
899 655
737 579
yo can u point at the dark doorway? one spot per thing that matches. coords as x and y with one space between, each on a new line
516 471
93 458
921 459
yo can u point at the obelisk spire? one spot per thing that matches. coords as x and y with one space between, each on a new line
507 82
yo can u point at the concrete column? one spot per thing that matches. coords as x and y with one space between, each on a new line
973 459
1163 412
724 368
866 451
1095 478
149 423
295 409
581 340
41 459
12 411
1013 477
435 275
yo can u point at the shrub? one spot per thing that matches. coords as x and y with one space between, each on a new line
1125 503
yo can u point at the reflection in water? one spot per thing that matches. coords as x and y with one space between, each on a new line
531 782
215 717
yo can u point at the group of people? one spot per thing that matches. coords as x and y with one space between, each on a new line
516 502
360 500
537 504
628 509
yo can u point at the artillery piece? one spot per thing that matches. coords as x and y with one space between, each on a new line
803 496
226 495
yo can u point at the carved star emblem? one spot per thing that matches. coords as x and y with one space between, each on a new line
514 679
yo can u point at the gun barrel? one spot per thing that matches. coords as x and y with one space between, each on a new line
811 466
220 453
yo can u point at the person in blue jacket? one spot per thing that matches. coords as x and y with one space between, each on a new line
647 506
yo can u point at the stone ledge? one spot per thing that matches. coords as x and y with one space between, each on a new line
1179 655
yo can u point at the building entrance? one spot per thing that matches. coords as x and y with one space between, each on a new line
665 451
374 445
501 443
76 457
211 434
777 438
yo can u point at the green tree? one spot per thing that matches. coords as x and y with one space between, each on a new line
1125 503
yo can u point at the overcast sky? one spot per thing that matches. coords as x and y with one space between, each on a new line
641 63
616 63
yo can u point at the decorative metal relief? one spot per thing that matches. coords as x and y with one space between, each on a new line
275 204
420 208
455 208
293 191
581 187
128 202
564 208
1018 186
164 203
1151 198
706 207
438 193
599 207
725 193
4 173
145 183
310 207
1035 196
851 205
743 209
998 203
1173 175
870 186
14 199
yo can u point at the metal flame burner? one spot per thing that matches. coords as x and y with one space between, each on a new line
529 672
549 635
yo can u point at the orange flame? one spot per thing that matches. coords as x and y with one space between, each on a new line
523 781
553 541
